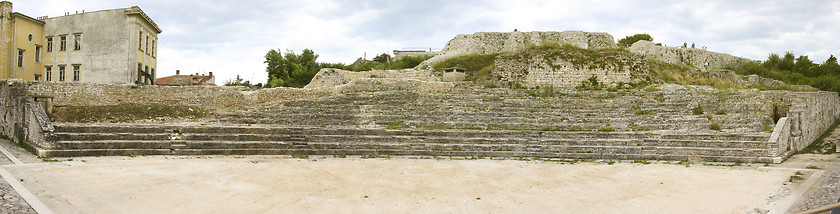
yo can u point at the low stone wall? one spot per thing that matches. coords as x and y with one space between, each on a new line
497 42
690 56
93 94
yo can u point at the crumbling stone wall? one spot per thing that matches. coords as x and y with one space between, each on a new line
92 94
497 42
23 120
13 103
330 77
690 56
560 68
809 115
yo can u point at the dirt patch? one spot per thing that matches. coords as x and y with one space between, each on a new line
279 184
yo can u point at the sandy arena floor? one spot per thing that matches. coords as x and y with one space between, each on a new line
280 184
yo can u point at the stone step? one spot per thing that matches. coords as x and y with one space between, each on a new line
159 140
504 154
168 130
227 145
394 145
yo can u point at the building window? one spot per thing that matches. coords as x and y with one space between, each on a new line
63 45
48 73
153 48
37 53
21 52
61 73
49 44
76 72
37 77
141 41
147 44
30 37
77 41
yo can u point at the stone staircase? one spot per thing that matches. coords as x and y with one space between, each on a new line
508 109
629 124
72 139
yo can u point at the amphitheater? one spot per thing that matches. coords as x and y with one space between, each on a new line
413 112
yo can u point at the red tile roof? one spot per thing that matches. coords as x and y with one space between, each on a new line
185 80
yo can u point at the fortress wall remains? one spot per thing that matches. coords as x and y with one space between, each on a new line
541 70
497 42
690 56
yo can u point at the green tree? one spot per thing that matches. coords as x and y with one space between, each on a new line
830 66
629 40
803 66
290 69
786 64
382 58
772 62
331 65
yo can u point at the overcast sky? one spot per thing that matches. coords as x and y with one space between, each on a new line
231 38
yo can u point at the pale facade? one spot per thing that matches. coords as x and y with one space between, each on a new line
110 46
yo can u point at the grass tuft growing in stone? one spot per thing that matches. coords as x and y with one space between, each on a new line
697 110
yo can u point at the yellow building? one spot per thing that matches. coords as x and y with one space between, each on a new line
108 46
21 45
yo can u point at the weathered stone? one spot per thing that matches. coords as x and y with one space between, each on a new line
498 42
687 56
571 68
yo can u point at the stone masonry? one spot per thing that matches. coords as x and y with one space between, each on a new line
497 42
690 56
561 70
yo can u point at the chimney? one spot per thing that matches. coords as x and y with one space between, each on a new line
211 74
5 7
177 72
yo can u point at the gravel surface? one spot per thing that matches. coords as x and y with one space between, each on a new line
827 189
11 202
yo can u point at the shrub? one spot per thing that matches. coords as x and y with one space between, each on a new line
478 66
642 112
396 125
697 110
681 75
795 71
714 126
629 40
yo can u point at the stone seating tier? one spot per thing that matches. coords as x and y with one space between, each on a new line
144 139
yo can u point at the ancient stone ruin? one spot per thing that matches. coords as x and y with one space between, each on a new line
413 112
